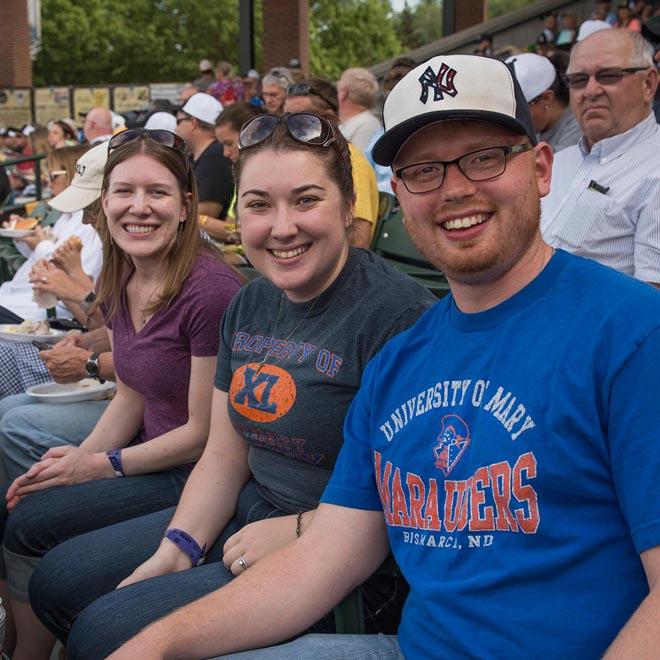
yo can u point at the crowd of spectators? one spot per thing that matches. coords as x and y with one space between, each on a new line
234 395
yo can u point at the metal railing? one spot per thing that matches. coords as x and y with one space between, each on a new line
36 158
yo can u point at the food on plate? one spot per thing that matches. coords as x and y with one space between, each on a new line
30 328
16 222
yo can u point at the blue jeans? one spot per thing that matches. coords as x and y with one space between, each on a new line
47 518
328 647
28 431
78 575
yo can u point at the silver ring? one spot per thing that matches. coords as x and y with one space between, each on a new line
242 563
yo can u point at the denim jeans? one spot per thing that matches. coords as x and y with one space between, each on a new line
28 431
82 574
44 519
328 647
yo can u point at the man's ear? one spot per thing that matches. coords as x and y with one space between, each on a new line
543 167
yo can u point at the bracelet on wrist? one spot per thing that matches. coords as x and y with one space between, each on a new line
299 524
187 545
114 456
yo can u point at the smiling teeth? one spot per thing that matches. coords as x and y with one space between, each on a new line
288 254
139 229
467 221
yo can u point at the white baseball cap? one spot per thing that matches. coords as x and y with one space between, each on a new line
203 106
535 73
452 87
85 187
161 121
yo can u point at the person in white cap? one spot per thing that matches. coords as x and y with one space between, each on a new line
547 96
206 77
82 191
505 445
161 121
195 123
54 270
605 197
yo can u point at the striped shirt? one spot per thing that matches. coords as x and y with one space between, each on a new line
605 203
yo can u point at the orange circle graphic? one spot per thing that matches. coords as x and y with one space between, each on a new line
262 395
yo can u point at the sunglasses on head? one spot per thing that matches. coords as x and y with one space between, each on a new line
303 89
166 138
301 126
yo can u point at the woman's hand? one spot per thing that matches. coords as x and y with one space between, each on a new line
60 466
33 239
167 559
258 539
67 257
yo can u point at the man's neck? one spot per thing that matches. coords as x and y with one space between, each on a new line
200 145
348 110
473 297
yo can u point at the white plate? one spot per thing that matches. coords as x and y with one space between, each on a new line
20 337
15 233
87 389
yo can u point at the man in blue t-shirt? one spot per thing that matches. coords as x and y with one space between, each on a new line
506 445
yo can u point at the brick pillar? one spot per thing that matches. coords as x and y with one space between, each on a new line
285 33
469 13
15 64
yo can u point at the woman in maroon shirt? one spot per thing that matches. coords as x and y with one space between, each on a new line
163 293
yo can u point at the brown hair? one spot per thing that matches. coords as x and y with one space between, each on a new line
182 252
65 159
237 114
69 133
336 159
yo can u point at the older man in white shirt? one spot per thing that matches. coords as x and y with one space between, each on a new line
605 197
356 92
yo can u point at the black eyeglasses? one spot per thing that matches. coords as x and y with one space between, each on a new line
166 138
302 126
180 119
303 89
478 165
604 76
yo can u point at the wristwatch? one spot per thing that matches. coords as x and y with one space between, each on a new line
92 367
88 301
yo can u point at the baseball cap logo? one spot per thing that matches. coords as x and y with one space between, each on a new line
80 169
441 83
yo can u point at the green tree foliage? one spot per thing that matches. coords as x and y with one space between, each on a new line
106 41
347 33
499 7
419 25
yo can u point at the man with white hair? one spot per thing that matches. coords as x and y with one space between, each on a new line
273 89
356 92
97 126
605 197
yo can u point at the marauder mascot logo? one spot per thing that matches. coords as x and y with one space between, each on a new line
441 83
453 440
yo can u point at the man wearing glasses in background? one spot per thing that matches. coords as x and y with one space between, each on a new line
509 456
605 197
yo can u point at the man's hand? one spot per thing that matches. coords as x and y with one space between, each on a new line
51 279
34 239
60 466
66 361
67 257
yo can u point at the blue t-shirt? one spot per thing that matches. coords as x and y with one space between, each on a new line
516 455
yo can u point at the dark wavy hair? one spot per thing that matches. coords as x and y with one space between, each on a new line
336 160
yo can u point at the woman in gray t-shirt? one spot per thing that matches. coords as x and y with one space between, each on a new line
293 347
